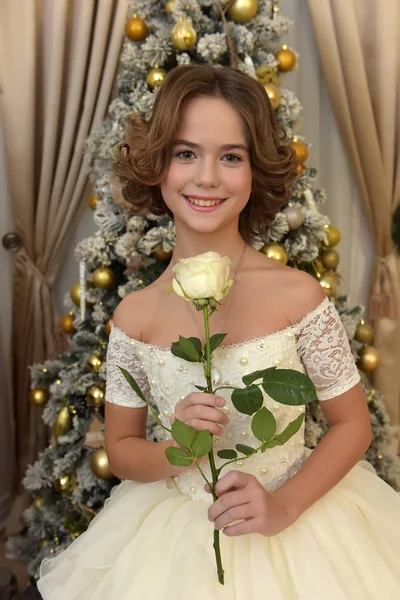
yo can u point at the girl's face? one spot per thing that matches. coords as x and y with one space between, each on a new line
208 182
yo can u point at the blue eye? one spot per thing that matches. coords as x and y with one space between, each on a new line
184 154
235 157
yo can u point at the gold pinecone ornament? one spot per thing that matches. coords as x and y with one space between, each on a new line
183 35
63 423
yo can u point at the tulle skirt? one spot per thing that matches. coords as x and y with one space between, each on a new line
151 542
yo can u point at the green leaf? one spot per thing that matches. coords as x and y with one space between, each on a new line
133 384
291 429
285 435
263 425
247 450
202 444
251 377
202 388
247 400
178 457
187 349
229 454
271 444
183 434
287 386
197 344
216 340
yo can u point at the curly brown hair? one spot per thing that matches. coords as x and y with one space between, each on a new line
144 156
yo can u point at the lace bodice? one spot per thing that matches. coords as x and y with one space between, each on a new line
317 346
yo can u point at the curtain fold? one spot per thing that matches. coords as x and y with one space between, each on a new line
58 62
359 47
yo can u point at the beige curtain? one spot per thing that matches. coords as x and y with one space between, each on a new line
359 46
58 62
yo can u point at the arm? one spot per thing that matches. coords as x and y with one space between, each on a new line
339 450
130 455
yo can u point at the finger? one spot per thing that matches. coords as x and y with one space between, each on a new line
236 513
226 502
204 399
200 425
243 528
205 413
233 479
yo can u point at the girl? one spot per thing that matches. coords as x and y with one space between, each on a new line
295 528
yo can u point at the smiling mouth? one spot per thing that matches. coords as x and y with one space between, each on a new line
198 202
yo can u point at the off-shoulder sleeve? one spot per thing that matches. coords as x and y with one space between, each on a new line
123 352
324 350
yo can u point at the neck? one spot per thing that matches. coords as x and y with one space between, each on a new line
191 243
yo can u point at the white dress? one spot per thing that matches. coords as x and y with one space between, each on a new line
153 541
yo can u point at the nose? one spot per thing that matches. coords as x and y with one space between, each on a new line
207 174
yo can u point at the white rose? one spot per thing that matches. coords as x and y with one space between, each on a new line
203 276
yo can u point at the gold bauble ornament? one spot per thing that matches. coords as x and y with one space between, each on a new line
99 464
329 282
276 252
300 169
161 254
170 7
333 235
300 149
65 484
94 363
38 502
286 59
136 29
108 327
243 11
75 293
364 333
92 201
103 277
155 77
67 323
330 259
369 359
268 74
273 93
63 423
96 396
183 34
38 397
294 216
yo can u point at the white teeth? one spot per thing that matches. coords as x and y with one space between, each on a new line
203 202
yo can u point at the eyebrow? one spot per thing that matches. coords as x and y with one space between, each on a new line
224 147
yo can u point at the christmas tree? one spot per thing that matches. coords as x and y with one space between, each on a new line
71 478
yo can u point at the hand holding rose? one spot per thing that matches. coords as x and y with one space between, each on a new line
242 498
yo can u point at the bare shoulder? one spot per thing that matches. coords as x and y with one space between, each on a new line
297 292
133 312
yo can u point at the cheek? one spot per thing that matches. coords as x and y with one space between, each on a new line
175 176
